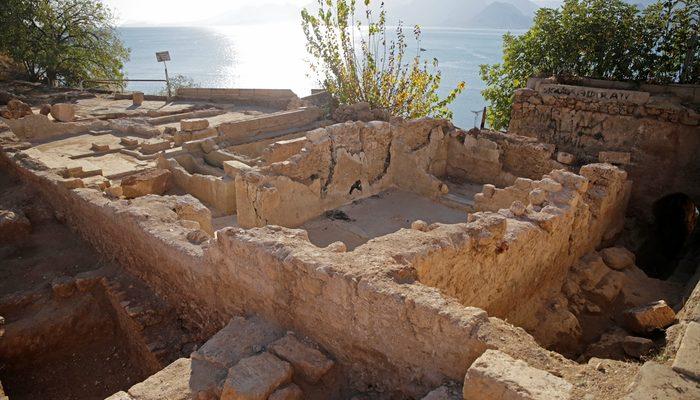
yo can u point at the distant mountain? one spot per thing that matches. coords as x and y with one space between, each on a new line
501 16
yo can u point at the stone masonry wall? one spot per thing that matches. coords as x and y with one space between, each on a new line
660 131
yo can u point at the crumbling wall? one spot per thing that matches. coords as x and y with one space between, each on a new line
521 255
245 130
342 163
660 131
482 156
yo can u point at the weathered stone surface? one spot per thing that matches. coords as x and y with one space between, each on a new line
154 181
497 376
197 236
659 382
121 395
63 112
617 258
184 379
615 157
307 361
16 109
444 393
565 158
648 318
687 360
152 146
289 392
256 377
63 287
193 124
99 147
637 347
137 98
239 339
14 226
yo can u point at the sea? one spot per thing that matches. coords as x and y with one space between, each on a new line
274 56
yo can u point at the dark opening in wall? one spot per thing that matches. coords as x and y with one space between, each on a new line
671 236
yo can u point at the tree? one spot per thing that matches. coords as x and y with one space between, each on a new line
603 39
62 41
357 62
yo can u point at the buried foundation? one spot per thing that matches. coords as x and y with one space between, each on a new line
283 256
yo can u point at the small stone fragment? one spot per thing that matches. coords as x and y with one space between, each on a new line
137 98
419 225
617 258
518 208
648 318
637 347
63 112
14 226
565 158
45 109
63 287
197 236
337 247
99 147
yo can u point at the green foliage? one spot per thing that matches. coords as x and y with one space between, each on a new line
62 41
604 39
357 62
177 82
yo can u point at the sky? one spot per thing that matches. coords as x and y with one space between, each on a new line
199 12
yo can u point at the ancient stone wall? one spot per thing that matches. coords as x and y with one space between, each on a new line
267 97
482 156
245 131
660 131
529 246
340 164
353 304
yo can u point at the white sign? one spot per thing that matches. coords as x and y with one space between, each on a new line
163 56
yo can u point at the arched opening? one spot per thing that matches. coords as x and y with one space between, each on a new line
671 236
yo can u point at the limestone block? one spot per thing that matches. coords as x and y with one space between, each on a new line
497 376
637 347
233 168
204 133
256 377
188 207
566 158
237 340
99 147
289 392
129 141
307 361
137 98
659 382
687 360
193 124
184 379
152 146
614 157
153 181
14 226
120 396
72 183
618 258
647 318
63 112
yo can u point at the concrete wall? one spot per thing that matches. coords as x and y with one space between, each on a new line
662 135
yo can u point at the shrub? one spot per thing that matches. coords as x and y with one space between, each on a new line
357 62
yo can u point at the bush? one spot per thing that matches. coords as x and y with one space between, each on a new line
177 82
62 41
604 39
377 71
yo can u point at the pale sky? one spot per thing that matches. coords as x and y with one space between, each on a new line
172 12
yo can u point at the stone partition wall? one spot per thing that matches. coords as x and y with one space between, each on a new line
659 128
528 248
267 97
482 156
245 131
343 163
388 331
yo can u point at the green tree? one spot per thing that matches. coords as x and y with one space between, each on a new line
604 39
62 41
357 61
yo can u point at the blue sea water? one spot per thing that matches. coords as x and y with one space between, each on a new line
274 56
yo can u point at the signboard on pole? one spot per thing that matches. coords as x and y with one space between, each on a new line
162 56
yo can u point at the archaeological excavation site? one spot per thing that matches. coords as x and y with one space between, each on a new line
251 244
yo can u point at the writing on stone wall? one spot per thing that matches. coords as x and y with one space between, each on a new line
589 93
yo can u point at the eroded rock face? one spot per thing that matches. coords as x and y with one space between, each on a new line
63 112
359 112
154 181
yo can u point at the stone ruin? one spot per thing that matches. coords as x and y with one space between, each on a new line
236 244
